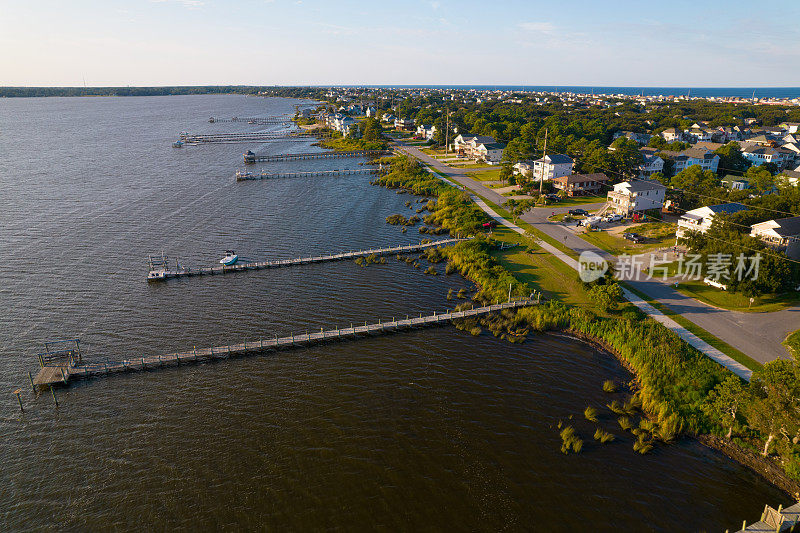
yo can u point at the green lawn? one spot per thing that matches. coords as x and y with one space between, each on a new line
531 264
793 343
736 301
618 246
720 345
578 200
492 174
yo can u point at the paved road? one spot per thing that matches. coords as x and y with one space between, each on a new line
759 335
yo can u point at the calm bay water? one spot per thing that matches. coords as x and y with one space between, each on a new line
431 429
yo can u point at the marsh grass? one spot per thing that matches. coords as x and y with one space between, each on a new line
590 413
625 423
609 386
570 441
603 436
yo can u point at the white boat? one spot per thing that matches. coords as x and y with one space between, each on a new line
230 258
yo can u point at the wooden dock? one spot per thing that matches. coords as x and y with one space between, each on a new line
250 157
775 520
161 274
196 355
233 138
247 176
259 121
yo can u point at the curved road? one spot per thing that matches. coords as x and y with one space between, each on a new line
759 335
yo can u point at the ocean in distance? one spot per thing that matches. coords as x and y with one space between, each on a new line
706 92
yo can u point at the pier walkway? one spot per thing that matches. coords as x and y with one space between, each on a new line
250 157
775 520
232 138
253 120
90 370
160 274
245 176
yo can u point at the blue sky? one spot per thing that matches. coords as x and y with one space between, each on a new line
285 42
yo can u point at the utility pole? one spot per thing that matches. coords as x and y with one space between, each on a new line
447 128
541 176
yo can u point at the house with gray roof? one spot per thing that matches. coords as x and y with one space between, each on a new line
782 234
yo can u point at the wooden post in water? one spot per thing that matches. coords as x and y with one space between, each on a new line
19 399
53 392
63 375
30 377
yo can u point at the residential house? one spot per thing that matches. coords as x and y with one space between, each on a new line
700 219
783 234
524 167
552 166
698 134
707 159
791 127
371 111
581 184
388 117
791 177
489 152
651 163
758 155
639 138
737 183
404 124
478 147
672 135
630 197
426 132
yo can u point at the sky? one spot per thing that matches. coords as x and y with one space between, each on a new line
640 43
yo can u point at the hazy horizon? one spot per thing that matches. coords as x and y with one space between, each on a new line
439 42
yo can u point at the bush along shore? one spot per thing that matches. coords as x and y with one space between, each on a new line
676 390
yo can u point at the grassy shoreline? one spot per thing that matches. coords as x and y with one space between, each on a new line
677 384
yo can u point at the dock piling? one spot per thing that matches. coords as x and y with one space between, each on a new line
19 399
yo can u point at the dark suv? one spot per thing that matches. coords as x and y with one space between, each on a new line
635 237
578 212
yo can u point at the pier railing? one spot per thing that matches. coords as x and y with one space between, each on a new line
195 355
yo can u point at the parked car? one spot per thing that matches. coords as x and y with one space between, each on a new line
635 237
553 197
614 218
490 224
578 212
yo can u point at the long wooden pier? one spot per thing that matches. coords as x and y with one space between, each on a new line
260 121
232 138
161 274
196 355
245 176
250 157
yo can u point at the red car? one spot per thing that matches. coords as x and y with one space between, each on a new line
490 224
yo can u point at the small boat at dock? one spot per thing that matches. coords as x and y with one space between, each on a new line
229 259
177 144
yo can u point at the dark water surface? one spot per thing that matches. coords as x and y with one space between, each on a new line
426 430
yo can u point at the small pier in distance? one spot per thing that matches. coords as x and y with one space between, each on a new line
250 157
245 176
164 272
196 355
259 121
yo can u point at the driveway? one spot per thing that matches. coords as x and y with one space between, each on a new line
759 335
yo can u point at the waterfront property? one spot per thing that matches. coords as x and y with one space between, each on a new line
783 234
700 219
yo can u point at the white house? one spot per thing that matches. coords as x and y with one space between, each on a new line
524 167
371 111
707 159
491 152
672 134
758 155
650 164
552 166
426 132
700 219
478 147
783 234
630 197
